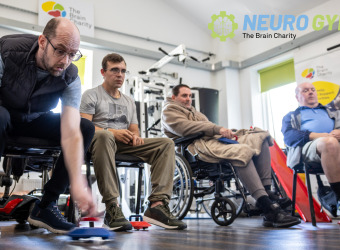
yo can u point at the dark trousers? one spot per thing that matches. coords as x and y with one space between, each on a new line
46 127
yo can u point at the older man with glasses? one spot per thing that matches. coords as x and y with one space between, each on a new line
35 72
115 118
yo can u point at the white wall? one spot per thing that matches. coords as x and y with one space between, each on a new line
151 19
316 48
227 82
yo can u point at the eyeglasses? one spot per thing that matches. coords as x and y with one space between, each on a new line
116 71
61 53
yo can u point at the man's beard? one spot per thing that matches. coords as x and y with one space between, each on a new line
48 68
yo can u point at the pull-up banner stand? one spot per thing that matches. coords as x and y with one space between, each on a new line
324 72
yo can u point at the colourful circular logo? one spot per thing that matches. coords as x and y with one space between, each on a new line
54 9
308 73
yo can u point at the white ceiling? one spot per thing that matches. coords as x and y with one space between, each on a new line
200 11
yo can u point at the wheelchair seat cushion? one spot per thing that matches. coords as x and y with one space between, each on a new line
23 141
203 170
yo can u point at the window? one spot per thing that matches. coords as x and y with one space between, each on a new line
278 102
277 83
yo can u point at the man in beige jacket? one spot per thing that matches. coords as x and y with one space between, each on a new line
251 156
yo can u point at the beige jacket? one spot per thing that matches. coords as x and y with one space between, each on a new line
179 121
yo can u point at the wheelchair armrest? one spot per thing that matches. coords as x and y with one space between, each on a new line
188 139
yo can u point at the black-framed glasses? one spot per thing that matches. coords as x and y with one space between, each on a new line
61 53
116 71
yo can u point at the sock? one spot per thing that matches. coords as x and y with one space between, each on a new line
44 203
111 203
336 188
264 203
268 187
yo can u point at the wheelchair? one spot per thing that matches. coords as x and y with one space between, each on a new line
215 186
22 155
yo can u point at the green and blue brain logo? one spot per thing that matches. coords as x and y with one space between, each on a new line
223 26
54 9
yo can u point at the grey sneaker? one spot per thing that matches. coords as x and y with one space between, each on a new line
161 216
114 219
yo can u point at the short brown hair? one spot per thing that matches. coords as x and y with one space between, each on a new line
176 89
113 57
51 27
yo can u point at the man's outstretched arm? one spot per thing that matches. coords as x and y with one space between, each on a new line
72 145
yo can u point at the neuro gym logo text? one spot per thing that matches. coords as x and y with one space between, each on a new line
223 25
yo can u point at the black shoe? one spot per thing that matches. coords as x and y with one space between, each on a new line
49 218
283 202
161 216
114 219
252 210
328 200
276 217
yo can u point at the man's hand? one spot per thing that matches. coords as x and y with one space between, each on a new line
123 135
225 132
136 141
82 195
313 135
335 133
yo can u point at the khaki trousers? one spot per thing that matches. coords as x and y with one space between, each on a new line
158 152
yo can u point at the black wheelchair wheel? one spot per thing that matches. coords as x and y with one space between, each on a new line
236 197
183 188
233 195
223 211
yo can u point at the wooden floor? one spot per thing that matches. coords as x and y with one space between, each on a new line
244 233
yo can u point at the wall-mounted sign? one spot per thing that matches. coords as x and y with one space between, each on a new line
80 12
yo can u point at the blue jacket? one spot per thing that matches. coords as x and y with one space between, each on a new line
295 138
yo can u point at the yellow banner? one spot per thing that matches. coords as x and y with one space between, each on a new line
81 68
